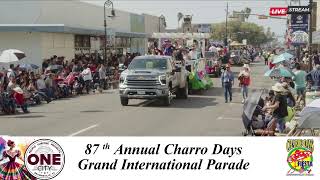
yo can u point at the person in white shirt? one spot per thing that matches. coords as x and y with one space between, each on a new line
86 74
213 49
87 78
41 85
10 72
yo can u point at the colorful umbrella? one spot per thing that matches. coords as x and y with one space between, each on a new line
287 55
279 72
54 67
11 55
282 57
29 66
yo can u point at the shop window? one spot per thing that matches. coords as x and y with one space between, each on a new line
82 41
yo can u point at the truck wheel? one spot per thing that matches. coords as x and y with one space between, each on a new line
124 101
167 99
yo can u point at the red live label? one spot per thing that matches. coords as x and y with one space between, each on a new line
278 11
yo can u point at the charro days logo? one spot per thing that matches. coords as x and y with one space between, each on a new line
44 159
300 159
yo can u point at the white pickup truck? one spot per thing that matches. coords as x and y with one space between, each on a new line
153 77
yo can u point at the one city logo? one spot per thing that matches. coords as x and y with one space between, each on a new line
300 159
44 159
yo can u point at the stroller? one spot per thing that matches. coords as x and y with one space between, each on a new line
252 109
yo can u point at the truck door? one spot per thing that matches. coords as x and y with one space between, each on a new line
174 75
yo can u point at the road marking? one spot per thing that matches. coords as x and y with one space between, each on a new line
227 118
83 130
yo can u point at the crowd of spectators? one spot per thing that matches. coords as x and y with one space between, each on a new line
20 84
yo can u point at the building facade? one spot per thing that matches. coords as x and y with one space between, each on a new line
316 34
64 28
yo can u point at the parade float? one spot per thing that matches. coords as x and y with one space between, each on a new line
198 69
198 77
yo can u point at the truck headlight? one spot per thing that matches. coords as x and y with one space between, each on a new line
163 80
122 79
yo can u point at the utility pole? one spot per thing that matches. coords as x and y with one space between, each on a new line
226 35
310 35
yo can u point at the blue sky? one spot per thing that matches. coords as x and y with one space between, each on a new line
205 11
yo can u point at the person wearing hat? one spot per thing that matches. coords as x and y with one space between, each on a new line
279 108
227 80
19 98
244 79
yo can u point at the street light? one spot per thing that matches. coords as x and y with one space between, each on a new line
108 3
161 18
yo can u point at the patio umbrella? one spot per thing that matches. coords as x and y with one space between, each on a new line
310 121
279 72
54 67
312 107
282 57
287 55
250 106
11 55
29 66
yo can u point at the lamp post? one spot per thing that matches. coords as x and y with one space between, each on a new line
108 3
161 18
310 35
226 35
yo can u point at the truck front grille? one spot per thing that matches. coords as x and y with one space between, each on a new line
143 82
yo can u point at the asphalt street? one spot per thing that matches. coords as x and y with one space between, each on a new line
202 114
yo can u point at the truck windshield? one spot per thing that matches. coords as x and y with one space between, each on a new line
160 64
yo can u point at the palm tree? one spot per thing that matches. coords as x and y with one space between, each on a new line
180 16
247 12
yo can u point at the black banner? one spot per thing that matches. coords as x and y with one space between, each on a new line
299 10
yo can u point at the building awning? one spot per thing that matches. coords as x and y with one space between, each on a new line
61 28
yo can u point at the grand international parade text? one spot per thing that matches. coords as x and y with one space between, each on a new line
207 158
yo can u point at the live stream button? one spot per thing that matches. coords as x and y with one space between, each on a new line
278 11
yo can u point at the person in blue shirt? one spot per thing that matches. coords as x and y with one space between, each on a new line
227 80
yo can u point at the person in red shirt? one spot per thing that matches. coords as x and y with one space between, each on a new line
244 81
271 65
92 67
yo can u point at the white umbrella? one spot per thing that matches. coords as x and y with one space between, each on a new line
11 55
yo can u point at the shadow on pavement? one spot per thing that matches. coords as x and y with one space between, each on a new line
191 102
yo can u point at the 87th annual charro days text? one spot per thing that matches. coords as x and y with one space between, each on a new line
188 163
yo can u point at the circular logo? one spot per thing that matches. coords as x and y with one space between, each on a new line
44 159
300 159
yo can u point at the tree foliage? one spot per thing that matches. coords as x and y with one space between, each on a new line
237 31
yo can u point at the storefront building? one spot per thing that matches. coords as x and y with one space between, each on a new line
41 32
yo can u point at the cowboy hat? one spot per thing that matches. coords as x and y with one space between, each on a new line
278 88
18 90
